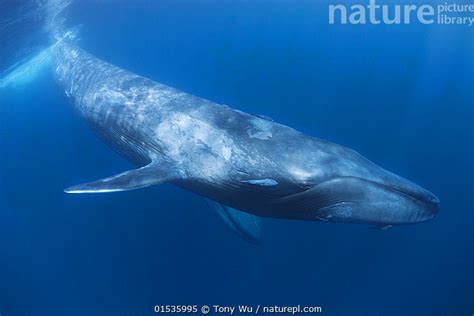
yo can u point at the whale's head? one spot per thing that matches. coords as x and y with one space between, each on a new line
381 203
346 187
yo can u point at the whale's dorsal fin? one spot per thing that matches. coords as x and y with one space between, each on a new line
245 225
148 175
264 117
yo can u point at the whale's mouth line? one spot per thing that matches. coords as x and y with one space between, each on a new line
428 199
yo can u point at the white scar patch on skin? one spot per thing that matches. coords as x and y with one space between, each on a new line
195 143
227 152
344 211
260 129
262 182
300 174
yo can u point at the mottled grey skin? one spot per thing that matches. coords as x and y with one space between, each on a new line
243 161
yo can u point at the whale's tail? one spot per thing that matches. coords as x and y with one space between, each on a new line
27 69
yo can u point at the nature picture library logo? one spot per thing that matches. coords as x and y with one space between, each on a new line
446 13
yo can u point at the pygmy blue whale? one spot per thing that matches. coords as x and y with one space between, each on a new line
247 166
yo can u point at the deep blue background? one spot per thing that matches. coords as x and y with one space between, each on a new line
401 95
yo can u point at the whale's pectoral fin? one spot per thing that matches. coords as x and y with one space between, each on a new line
246 226
148 175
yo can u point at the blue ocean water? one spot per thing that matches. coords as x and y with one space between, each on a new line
400 95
